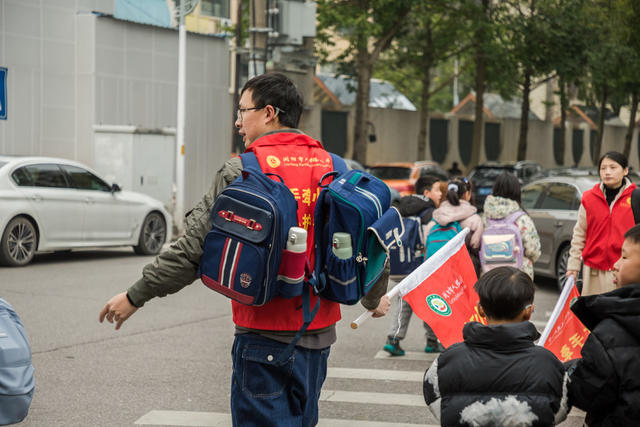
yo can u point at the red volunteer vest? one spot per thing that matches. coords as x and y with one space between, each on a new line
300 161
605 229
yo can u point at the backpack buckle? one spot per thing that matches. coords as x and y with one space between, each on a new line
251 224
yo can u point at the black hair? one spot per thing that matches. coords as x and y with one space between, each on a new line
425 183
619 158
455 194
504 292
507 185
277 90
633 234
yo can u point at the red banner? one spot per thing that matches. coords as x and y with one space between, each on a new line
568 334
446 299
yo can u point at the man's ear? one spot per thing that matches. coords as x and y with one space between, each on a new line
527 312
272 115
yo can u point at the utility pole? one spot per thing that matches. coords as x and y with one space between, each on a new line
185 7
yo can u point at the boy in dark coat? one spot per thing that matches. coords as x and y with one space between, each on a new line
606 381
497 376
423 203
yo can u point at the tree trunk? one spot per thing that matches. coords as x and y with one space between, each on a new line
632 124
423 133
603 105
360 134
478 123
563 119
524 116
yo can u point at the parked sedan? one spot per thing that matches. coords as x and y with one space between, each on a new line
402 176
49 204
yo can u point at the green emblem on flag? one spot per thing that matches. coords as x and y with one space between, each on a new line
438 305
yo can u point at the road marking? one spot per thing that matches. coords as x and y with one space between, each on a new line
401 399
218 419
408 355
375 374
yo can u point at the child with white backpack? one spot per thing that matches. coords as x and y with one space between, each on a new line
504 215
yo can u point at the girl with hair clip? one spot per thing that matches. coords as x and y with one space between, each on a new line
505 201
604 216
456 207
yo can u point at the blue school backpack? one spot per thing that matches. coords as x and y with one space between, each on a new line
410 252
439 235
501 243
356 203
16 370
244 253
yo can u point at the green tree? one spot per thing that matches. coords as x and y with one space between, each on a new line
369 26
530 40
610 58
430 37
570 41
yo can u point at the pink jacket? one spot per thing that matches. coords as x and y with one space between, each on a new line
465 214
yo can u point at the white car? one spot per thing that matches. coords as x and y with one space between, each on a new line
49 204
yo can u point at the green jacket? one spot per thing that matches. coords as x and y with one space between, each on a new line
177 267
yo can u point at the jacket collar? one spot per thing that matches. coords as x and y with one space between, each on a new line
500 337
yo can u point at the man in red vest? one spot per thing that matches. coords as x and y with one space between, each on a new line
263 393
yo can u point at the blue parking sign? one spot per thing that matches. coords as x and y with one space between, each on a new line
3 93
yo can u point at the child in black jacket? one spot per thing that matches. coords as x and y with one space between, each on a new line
497 376
606 381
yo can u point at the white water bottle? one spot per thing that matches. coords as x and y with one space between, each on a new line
297 240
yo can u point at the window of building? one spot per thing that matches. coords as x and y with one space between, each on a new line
219 8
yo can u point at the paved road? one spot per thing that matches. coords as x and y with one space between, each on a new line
170 363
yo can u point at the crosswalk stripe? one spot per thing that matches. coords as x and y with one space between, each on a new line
409 355
326 422
218 419
401 399
375 374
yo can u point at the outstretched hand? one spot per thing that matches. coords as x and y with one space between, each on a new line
117 309
382 308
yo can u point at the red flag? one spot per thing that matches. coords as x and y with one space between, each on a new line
564 334
446 299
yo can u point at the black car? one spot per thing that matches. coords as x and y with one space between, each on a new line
484 175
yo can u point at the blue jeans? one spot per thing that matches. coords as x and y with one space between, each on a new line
264 394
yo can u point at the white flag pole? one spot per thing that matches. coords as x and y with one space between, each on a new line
417 276
556 310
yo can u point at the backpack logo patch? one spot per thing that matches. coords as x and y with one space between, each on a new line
438 305
245 280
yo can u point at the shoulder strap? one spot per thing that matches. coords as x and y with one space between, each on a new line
249 160
635 204
339 165
514 216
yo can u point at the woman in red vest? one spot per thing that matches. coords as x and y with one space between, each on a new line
604 216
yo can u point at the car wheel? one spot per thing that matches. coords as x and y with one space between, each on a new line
561 266
152 235
19 242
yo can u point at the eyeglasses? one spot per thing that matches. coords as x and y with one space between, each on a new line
242 110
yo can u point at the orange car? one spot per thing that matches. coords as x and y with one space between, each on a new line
402 175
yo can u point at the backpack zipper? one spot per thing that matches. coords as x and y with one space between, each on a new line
371 197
